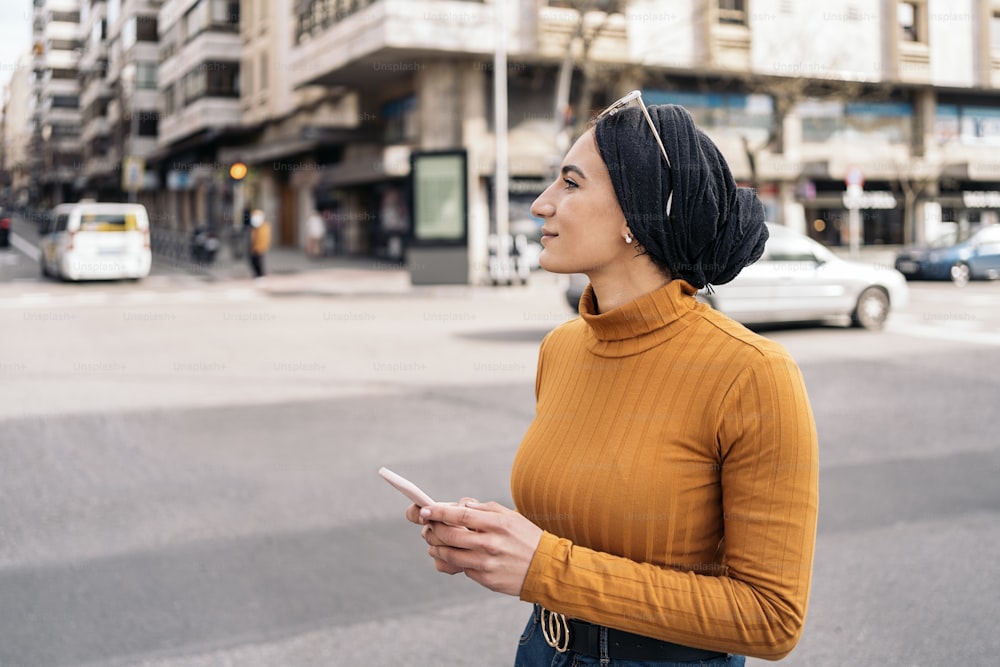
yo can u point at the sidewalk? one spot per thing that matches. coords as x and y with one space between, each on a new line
289 271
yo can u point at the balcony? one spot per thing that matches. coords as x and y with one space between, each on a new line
914 64
556 26
206 47
97 127
390 39
203 114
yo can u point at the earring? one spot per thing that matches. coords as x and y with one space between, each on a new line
628 238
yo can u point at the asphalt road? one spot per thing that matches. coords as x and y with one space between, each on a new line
191 481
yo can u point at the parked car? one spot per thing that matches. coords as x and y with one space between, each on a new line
799 280
96 241
946 258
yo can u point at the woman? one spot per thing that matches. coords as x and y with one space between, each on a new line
667 487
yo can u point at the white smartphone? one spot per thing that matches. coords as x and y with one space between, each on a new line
406 487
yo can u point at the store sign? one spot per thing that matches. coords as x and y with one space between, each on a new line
869 199
981 199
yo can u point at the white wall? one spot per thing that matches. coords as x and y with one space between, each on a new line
952 42
664 33
834 38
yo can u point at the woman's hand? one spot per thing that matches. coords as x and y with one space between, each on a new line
413 516
492 544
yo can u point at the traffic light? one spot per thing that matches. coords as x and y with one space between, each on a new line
238 171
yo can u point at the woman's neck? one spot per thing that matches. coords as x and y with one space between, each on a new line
614 291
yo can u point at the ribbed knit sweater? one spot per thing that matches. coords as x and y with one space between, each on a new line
673 465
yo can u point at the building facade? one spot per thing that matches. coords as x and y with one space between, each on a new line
902 94
18 130
198 86
327 100
56 117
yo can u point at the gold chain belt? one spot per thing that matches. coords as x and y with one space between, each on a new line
555 629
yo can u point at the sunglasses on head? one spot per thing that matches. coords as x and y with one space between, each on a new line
620 104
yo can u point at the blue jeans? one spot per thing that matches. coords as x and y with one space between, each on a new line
533 651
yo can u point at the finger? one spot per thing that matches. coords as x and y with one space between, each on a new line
460 515
430 536
462 559
446 568
413 514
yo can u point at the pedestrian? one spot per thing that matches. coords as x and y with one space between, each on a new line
666 490
260 241
315 232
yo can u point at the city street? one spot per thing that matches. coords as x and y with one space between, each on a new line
188 472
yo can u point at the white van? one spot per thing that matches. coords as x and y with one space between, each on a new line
97 241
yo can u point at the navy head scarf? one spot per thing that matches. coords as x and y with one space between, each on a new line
714 228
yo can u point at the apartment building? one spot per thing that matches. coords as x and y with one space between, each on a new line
119 99
288 130
327 100
56 117
198 85
19 107
901 93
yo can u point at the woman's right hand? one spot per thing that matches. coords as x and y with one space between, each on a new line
413 516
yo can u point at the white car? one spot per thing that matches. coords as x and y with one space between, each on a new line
97 241
800 280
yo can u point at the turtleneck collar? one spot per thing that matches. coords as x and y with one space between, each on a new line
640 324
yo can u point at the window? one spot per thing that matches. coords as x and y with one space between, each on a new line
781 248
211 79
145 75
263 72
733 11
65 17
400 119
146 28
148 121
64 45
65 102
169 104
912 20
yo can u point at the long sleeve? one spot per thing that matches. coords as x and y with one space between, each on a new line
755 605
677 482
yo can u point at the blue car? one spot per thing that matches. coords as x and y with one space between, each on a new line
946 259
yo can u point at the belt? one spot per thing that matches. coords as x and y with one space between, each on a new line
569 634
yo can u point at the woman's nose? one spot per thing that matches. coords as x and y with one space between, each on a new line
541 208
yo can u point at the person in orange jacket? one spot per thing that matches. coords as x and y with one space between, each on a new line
260 241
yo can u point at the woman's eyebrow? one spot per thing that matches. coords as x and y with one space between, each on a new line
572 168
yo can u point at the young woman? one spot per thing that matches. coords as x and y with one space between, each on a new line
666 490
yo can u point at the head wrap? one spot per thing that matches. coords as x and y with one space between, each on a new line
714 228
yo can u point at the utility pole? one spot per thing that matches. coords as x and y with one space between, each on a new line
502 173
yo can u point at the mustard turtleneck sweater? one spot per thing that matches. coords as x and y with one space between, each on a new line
673 466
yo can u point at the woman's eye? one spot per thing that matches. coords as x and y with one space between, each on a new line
570 183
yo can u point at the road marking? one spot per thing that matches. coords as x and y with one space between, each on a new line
41 299
27 248
938 332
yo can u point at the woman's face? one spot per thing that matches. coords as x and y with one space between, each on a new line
584 229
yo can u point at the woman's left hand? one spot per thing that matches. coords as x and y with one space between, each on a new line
492 544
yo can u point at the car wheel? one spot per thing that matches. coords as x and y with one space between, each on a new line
960 274
872 309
